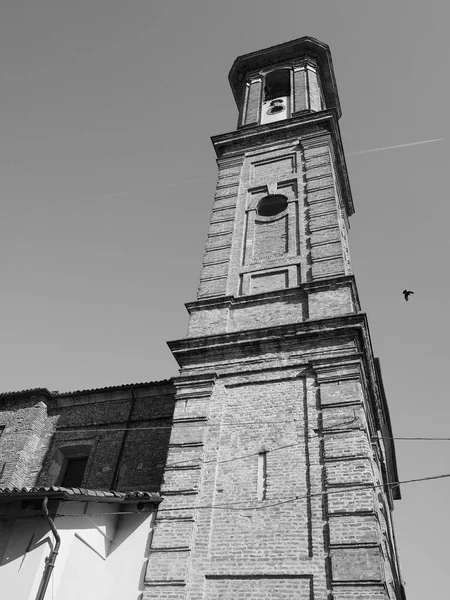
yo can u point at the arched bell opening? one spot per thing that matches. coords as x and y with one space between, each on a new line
276 96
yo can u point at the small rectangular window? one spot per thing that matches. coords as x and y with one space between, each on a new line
262 475
74 471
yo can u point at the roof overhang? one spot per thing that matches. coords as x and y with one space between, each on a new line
77 495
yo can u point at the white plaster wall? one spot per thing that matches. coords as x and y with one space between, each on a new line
101 557
127 558
19 568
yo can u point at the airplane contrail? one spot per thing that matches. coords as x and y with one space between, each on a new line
175 183
396 146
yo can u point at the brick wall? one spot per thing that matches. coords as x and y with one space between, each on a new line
24 426
308 407
38 432
247 255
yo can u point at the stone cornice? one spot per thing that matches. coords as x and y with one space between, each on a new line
308 287
277 338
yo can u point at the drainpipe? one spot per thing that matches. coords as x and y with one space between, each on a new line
51 559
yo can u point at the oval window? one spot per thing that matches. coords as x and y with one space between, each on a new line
272 205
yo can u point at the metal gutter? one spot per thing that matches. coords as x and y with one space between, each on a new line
51 559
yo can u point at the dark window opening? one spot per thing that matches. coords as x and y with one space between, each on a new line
272 205
277 84
74 471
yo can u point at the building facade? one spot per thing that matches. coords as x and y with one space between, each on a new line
265 470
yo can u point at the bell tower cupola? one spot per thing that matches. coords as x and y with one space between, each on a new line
284 81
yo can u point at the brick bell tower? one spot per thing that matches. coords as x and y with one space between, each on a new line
281 473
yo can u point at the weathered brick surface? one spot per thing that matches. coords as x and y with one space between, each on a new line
341 392
127 437
300 90
172 534
258 588
328 250
350 564
218 268
350 500
347 444
319 183
325 205
167 566
314 433
348 471
232 545
328 219
259 313
363 593
212 286
160 591
328 268
356 529
318 160
330 303
253 102
24 424
271 238
322 169
329 234
314 91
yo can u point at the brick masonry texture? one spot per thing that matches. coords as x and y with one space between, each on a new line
245 252
38 428
24 425
309 406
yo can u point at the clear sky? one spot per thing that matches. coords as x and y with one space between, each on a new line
107 176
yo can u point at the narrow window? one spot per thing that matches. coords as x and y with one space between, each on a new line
277 84
70 465
74 471
262 472
277 96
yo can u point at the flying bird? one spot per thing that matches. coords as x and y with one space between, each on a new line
407 294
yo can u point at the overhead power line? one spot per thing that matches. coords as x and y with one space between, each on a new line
277 502
261 506
240 424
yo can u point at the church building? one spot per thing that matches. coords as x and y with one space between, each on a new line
265 470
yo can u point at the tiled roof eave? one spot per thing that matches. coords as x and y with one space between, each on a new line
110 388
77 495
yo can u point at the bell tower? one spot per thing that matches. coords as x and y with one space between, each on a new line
281 475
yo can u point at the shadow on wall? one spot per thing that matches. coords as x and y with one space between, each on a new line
104 552
120 445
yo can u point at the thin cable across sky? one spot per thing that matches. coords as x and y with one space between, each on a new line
199 179
262 506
